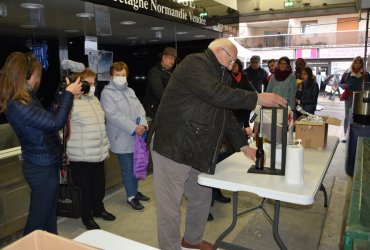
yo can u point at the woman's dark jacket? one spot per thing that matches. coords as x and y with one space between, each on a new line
158 78
37 129
194 114
308 96
242 115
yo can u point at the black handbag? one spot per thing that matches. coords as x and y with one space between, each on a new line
69 197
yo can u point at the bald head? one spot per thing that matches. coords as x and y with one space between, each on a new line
225 51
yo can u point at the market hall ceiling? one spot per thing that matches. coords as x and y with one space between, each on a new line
61 19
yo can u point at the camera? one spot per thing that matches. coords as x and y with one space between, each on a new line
85 86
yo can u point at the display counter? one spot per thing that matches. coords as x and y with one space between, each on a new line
14 190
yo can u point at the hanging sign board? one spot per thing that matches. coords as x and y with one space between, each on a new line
205 15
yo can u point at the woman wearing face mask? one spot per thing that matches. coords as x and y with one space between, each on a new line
123 111
87 148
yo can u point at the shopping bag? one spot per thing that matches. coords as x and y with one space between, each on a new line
141 157
69 198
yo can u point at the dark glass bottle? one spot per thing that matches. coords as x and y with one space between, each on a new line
260 154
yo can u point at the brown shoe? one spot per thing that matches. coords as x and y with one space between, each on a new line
205 245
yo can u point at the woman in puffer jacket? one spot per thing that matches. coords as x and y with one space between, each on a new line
87 148
37 131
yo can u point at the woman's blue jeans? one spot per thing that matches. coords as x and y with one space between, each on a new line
126 161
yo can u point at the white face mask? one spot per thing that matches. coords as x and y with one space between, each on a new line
92 91
120 81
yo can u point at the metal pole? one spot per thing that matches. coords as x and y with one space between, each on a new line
366 38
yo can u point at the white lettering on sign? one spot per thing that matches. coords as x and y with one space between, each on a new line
189 3
136 4
168 11
226 28
180 13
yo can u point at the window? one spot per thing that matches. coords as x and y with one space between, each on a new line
309 27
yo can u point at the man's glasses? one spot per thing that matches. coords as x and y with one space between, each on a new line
232 60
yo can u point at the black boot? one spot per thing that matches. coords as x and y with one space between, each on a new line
90 224
210 217
220 197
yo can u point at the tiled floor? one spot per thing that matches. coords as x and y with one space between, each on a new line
300 226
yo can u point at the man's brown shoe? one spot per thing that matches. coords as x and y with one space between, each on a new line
205 245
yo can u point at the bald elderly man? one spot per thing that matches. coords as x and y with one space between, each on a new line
187 133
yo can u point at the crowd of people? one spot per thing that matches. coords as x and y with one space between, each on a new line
183 143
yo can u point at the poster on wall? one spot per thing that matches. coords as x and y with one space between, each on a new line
105 59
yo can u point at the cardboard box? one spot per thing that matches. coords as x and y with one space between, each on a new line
41 240
314 135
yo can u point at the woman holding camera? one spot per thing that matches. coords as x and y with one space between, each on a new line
37 131
87 148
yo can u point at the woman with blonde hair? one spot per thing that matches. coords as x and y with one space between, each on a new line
37 131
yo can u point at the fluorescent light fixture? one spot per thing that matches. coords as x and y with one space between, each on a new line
85 15
34 6
28 26
71 31
198 36
128 22
157 28
181 32
131 37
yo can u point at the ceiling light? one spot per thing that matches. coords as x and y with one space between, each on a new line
71 31
85 15
153 40
128 22
198 36
34 6
131 37
28 26
157 28
181 32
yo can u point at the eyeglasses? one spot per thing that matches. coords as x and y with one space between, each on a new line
232 60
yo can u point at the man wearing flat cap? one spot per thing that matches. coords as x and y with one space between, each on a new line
256 74
158 77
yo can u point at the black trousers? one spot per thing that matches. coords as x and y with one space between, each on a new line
90 177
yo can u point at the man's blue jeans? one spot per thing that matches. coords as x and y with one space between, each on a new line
126 162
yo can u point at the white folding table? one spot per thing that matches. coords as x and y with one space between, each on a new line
231 174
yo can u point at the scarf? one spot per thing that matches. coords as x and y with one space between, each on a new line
281 75
357 74
237 77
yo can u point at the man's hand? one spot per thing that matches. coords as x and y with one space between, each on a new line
249 152
249 131
271 100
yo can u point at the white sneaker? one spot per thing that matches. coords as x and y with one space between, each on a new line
343 138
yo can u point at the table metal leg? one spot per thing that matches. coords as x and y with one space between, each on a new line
322 188
226 245
277 238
